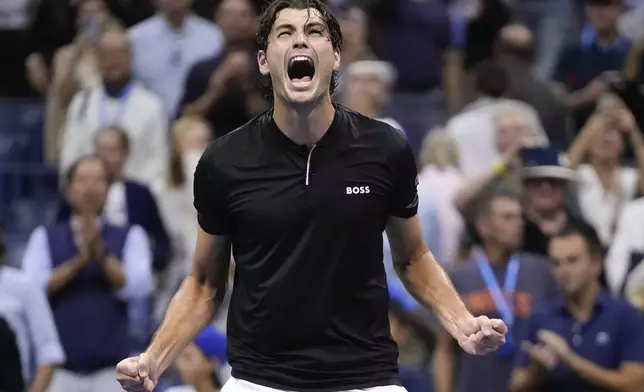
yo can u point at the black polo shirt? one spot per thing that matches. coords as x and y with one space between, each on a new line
309 308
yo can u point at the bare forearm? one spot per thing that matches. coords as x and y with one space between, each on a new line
114 271
426 280
204 103
612 380
43 377
637 142
190 310
577 151
526 380
475 189
62 275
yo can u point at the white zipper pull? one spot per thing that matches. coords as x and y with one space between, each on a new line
308 165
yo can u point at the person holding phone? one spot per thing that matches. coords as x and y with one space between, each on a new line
75 68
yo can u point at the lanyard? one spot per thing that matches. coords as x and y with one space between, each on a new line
498 296
121 103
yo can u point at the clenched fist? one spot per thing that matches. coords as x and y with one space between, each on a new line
481 335
137 374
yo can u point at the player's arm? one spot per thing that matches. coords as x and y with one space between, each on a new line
421 274
194 304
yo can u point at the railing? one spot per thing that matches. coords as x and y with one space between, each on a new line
28 187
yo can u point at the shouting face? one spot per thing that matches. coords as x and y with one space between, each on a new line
300 57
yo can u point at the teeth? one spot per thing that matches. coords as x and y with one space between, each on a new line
300 58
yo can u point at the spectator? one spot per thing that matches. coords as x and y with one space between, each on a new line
414 36
200 363
75 68
552 23
474 127
527 281
604 185
51 26
27 313
355 31
190 136
225 89
441 177
582 67
587 341
123 102
167 45
514 50
128 202
10 371
90 269
484 21
515 127
367 89
545 183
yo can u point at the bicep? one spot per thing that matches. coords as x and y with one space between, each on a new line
405 239
212 262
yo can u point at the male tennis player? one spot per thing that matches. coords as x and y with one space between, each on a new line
303 194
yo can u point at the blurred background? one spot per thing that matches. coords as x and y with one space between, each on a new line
483 89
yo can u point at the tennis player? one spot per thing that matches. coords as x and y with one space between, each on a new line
302 194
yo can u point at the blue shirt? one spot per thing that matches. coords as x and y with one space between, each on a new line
163 56
613 335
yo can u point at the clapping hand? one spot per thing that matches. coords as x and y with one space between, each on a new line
549 351
481 335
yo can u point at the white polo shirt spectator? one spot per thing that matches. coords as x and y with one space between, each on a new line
25 307
163 55
141 115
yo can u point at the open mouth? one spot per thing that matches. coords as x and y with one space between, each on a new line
301 70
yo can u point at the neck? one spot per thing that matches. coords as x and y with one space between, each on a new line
496 255
117 175
604 165
545 214
175 19
607 37
581 304
305 125
115 87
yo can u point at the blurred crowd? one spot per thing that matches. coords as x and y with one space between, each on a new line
526 117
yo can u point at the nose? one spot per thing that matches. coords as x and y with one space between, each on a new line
299 40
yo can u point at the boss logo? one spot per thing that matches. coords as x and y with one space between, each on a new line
358 190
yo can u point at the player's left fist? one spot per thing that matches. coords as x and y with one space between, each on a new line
481 335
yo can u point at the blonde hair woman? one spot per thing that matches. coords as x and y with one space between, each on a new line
190 137
605 185
439 179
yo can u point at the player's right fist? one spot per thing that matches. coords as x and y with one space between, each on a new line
137 374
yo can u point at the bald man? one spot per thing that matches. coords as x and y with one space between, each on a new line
120 101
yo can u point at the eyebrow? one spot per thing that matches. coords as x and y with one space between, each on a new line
290 27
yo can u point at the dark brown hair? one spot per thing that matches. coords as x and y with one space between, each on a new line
267 20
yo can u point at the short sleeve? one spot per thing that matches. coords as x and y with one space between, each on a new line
404 201
631 335
527 334
210 197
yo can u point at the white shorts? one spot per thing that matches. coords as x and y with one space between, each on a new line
235 385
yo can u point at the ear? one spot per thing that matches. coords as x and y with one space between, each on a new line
262 61
336 61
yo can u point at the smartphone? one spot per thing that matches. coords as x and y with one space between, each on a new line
92 29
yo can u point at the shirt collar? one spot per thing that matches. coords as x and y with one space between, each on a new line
332 135
602 301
